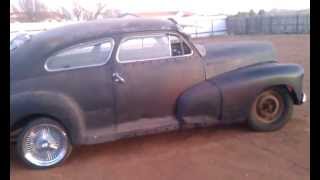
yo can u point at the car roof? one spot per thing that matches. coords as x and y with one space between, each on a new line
43 44
61 37
102 28
121 25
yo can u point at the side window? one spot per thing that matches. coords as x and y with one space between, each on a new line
143 48
178 46
88 54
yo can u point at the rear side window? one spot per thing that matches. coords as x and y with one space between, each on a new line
142 48
80 56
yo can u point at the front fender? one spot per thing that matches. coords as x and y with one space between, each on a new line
52 104
241 86
202 99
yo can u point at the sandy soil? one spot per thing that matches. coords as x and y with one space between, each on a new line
231 152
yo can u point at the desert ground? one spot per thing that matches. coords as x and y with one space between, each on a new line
223 152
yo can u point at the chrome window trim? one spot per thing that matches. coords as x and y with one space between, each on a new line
153 35
84 44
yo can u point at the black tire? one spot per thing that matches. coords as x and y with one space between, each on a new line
37 123
262 118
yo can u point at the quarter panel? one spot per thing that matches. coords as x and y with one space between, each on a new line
52 104
90 88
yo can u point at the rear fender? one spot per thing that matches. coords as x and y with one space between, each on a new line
59 106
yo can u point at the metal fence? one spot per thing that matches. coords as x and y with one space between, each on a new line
204 27
281 24
212 32
210 26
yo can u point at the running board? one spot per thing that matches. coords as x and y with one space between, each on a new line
132 129
146 126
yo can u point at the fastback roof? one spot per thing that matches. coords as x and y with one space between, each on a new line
93 29
49 41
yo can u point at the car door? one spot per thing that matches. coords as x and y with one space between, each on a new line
84 72
151 71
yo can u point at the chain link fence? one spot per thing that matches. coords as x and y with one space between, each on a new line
280 24
205 26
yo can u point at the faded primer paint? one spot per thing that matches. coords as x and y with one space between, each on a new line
160 95
224 57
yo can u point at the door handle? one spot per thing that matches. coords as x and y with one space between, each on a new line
117 78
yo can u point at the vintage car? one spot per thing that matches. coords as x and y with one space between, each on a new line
100 81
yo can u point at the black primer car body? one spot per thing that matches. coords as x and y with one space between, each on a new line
95 106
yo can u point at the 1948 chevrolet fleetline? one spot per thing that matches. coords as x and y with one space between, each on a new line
100 81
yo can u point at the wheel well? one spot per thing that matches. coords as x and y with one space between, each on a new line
21 123
290 91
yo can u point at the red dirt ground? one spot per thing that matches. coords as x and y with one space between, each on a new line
232 152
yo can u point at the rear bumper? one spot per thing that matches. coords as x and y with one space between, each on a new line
304 98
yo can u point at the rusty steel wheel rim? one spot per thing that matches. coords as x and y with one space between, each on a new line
268 106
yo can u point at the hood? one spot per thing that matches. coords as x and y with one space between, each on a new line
224 57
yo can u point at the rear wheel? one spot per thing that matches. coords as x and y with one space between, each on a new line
271 110
43 143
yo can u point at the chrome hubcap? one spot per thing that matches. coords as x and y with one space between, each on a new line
45 145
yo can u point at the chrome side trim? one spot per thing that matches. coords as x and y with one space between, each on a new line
82 45
151 59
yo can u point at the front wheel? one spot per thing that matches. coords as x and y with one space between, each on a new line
271 110
43 143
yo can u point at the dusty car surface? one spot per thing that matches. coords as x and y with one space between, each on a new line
101 81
